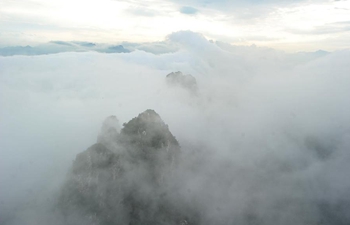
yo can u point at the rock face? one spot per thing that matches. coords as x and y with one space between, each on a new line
186 81
148 139
125 178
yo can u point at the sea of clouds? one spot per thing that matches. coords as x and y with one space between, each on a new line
268 132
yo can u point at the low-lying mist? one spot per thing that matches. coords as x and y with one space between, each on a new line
265 138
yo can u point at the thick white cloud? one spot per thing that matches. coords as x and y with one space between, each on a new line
280 123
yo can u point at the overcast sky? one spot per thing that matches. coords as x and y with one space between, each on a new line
282 24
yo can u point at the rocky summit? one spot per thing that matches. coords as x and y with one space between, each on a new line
187 82
125 178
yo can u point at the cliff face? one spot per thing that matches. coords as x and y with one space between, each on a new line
124 179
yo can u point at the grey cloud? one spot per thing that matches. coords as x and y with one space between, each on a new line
188 10
241 11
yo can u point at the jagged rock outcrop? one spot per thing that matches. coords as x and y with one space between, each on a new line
185 81
148 139
124 178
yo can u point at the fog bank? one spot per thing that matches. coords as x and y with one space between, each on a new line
267 132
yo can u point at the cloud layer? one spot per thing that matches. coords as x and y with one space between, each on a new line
268 132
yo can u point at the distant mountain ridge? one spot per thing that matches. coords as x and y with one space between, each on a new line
54 47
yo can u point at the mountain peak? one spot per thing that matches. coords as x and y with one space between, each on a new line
105 183
148 131
185 81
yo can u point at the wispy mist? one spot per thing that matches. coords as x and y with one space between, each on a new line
265 139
